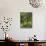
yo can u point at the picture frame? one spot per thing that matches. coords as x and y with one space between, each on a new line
25 19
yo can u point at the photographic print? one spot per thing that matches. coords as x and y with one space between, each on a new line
26 19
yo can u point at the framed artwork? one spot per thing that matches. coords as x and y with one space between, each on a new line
26 19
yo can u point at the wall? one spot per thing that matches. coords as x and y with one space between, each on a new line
12 8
